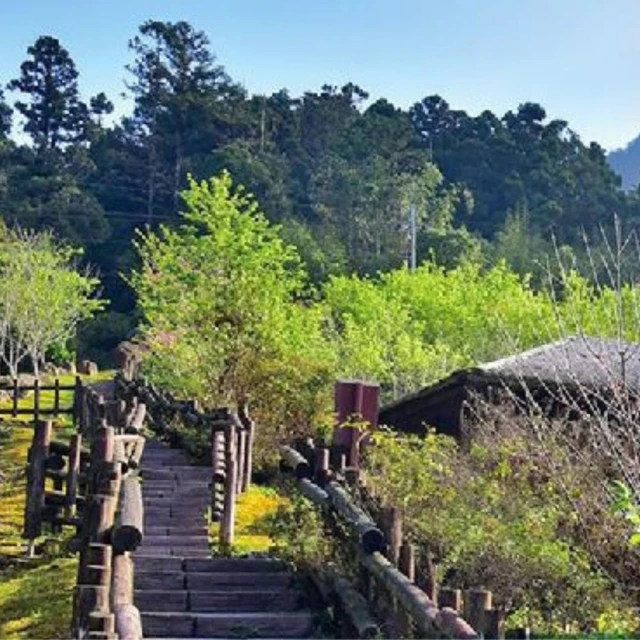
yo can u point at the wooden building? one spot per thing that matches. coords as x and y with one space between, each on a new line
553 374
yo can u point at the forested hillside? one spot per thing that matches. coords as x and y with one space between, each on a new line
626 162
337 170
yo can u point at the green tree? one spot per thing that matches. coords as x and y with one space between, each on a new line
43 297
5 117
218 298
54 113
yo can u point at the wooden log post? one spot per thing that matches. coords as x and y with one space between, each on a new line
430 577
38 454
494 624
407 565
73 470
56 397
128 530
78 413
218 473
321 471
128 622
407 561
121 580
227 530
16 392
36 400
392 519
250 427
476 604
451 598
242 446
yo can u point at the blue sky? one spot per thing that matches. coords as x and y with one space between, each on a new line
578 58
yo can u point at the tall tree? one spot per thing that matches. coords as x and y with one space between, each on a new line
5 117
53 113
184 101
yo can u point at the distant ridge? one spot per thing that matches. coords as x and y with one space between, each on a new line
626 162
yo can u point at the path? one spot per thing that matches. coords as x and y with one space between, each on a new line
181 591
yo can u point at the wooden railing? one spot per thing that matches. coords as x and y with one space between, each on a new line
230 444
386 565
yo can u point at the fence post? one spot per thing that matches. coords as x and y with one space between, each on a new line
36 400
14 412
38 454
451 598
321 471
56 397
73 470
392 524
476 603
227 530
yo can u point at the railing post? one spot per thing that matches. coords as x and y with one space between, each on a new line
218 473
38 454
476 603
227 530
242 446
73 470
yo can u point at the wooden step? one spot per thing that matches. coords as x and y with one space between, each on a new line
176 531
177 551
235 565
225 601
145 562
223 625
214 580
254 600
159 580
169 541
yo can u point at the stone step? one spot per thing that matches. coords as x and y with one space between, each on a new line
159 580
228 601
146 562
171 521
219 625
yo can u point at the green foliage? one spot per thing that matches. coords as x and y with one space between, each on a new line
462 504
218 297
43 296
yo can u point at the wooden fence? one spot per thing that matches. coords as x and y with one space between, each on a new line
386 564
18 391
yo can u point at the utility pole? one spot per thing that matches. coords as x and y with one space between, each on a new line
413 232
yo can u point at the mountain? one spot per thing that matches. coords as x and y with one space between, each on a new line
626 162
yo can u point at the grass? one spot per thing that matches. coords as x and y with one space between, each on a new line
254 511
35 595
35 599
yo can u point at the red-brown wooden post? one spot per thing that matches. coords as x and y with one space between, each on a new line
354 400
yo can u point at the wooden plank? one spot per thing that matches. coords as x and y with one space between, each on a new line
227 528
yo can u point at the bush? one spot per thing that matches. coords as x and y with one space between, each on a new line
494 519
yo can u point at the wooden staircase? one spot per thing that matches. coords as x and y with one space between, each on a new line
183 592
